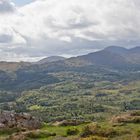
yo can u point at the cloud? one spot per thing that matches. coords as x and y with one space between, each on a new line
5 38
6 6
51 27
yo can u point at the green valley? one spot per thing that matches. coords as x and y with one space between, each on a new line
90 97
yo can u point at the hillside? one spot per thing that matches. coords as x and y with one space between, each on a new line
95 92
114 57
103 111
108 64
12 66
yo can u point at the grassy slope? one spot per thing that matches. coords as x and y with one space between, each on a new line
69 100
85 98
127 131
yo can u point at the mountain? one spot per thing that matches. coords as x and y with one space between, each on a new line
12 66
135 50
90 88
106 58
130 55
113 57
116 49
107 64
51 59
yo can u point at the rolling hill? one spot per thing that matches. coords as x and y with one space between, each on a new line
97 87
107 64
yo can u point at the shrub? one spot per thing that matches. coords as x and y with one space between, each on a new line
70 123
39 134
95 129
135 113
127 118
9 131
89 130
72 131
138 133
94 138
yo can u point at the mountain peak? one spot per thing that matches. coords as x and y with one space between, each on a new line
135 49
116 49
51 59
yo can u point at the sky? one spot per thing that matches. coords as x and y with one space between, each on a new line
22 2
31 30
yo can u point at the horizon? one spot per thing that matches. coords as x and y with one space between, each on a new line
67 57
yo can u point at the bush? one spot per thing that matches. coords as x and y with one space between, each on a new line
70 122
95 129
138 133
72 131
39 134
9 131
135 113
94 138
89 130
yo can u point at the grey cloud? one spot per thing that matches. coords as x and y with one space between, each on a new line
5 38
6 6
71 27
83 23
78 46
50 47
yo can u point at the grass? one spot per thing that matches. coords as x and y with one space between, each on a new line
7 132
127 131
62 130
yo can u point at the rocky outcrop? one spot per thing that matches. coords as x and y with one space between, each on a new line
68 123
129 117
34 134
18 120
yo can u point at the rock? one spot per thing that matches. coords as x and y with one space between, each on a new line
2 125
129 117
18 120
68 123
33 134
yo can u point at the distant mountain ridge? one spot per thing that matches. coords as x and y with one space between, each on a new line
116 49
12 66
112 56
132 56
51 59
24 75
135 50
122 50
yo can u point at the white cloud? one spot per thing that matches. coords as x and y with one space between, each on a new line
52 27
